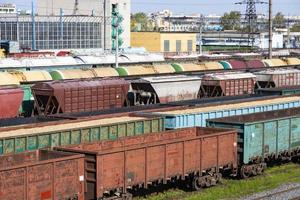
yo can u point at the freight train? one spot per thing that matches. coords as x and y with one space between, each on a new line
83 95
138 153
151 90
195 157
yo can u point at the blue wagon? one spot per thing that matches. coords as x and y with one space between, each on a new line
197 116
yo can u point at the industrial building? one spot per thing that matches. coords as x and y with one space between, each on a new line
229 38
7 8
164 41
57 25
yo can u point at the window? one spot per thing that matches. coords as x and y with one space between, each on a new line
166 45
190 45
178 45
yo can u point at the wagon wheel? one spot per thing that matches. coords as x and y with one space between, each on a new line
260 169
245 172
196 183
127 196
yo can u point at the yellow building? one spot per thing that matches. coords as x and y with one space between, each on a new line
2 53
164 41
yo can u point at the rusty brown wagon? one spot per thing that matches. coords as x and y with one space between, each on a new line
71 96
42 175
195 155
227 84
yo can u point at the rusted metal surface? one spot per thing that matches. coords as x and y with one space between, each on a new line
141 160
10 101
229 84
278 78
79 95
164 89
42 175
255 64
238 64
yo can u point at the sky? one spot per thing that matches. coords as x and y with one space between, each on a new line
287 7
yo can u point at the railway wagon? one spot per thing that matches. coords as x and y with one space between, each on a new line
277 78
227 84
195 155
83 73
25 80
290 90
164 89
79 95
18 139
42 175
10 101
197 116
264 137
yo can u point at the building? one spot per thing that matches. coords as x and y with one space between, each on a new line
52 32
263 40
96 8
166 21
164 41
8 8
65 24
230 38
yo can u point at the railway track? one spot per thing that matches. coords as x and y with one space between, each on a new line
283 193
129 110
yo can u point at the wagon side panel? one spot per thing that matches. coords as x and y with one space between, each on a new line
110 172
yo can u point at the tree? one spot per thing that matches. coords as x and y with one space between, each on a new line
140 22
231 21
279 21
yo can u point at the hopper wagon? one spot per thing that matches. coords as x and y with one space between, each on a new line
227 84
164 89
26 79
79 95
11 98
276 78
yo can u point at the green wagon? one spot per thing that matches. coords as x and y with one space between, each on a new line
19 139
265 137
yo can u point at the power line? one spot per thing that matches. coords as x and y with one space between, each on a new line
251 17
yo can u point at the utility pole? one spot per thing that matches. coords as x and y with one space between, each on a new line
33 45
201 23
289 32
117 39
200 39
117 45
251 18
104 25
75 7
61 13
270 29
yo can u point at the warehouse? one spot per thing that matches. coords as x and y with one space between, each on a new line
164 41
